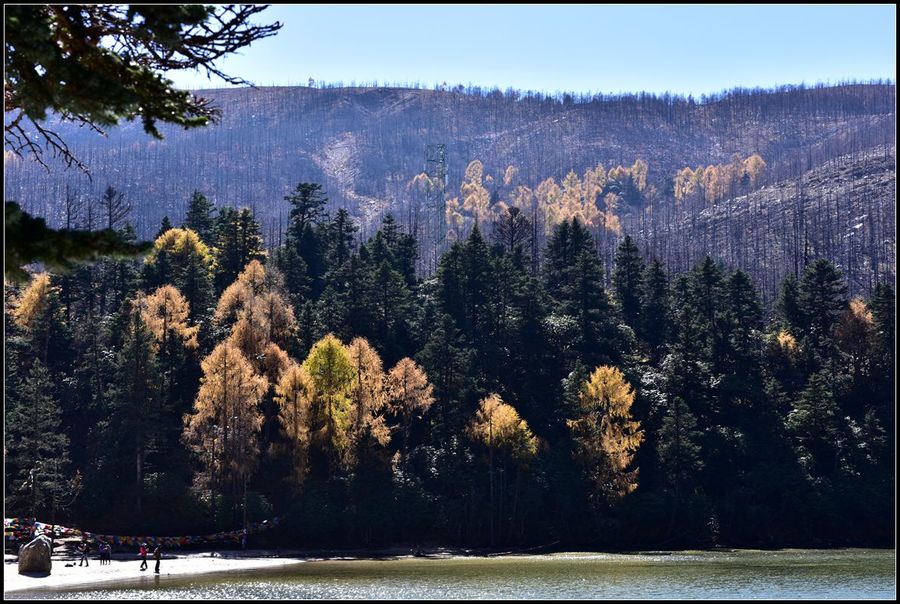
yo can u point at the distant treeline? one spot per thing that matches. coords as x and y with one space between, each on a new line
826 190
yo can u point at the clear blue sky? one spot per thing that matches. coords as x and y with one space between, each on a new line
683 49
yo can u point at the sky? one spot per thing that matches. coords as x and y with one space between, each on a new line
689 49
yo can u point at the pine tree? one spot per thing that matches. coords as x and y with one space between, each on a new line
822 300
788 306
163 227
627 280
448 362
36 449
341 232
655 320
813 422
199 218
678 446
307 207
574 277
741 325
136 399
238 241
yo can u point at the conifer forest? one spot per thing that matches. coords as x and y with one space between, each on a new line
445 316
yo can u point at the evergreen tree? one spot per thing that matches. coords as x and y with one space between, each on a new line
135 401
163 227
788 307
199 218
574 277
813 422
678 446
307 208
36 449
296 275
448 363
239 241
822 299
627 282
341 232
655 318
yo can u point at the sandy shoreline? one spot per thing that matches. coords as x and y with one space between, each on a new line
127 570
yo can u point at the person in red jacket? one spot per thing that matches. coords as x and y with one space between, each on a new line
143 553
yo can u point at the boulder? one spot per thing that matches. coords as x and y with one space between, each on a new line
34 556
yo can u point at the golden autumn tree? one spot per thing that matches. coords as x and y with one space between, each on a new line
498 427
224 428
639 174
684 185
367 394
179 257
38 312
332 373
166 313
259 315
754 167
275 363
294 395
606 437
476 199
409 394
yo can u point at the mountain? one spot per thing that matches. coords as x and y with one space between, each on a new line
827 189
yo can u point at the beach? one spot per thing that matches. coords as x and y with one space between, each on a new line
126 569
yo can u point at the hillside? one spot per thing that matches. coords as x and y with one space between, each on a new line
365 145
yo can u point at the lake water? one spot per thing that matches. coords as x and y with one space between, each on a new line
851 573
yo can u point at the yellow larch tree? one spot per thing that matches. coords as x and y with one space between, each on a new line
294 395
37 311
166 313
367 394
498 427
409 394
685 184
258 313
606 437
33 303
754 166
332 373
639 174
224 428
548 194
476 199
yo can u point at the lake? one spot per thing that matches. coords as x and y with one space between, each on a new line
846 573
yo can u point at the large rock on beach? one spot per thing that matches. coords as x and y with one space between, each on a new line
34 556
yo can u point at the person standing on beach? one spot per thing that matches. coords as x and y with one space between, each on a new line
85 548
157 555
143 553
